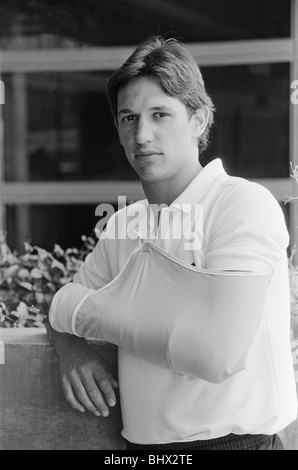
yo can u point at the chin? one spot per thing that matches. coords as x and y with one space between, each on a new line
153 181
152 174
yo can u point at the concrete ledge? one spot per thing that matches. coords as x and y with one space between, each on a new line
33 412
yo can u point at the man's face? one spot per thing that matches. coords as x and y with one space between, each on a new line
157 132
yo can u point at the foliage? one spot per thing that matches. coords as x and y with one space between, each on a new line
29 281
293 275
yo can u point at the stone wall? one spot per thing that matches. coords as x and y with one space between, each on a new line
33 412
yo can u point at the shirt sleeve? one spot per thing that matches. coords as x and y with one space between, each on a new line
249 232
93 274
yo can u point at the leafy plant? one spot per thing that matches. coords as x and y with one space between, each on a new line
29 281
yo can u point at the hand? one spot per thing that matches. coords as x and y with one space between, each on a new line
86 378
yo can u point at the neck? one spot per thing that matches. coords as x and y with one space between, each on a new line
165 192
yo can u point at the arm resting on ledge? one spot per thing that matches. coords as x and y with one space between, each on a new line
86 378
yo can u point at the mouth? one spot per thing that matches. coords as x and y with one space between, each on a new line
147 155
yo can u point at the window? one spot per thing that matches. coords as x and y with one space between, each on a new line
61 152
251 131
46 225
65 23
67 128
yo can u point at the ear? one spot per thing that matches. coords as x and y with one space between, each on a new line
200 120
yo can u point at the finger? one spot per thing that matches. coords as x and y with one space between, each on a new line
112 379
109 373
69 395
82 395
94 393
106 386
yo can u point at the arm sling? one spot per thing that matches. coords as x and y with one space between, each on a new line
194 321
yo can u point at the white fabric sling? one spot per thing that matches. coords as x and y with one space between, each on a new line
193 321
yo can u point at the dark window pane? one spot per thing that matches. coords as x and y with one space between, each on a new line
251 131
47 225
70 133
65 23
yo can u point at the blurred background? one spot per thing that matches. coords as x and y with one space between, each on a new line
60 156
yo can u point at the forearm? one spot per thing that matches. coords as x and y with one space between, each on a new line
65 343
86 378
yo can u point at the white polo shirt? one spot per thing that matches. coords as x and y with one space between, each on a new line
243 229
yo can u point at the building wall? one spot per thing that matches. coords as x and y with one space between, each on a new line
34 414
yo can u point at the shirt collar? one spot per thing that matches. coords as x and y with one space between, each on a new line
186 201
198 187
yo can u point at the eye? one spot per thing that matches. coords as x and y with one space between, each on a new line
160 114
128 118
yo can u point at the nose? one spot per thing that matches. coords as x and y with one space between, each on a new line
143 132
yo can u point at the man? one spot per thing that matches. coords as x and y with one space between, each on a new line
204 354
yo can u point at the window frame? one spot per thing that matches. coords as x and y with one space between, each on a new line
19 63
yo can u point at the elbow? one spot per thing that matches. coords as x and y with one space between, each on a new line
213 359
219 371
219 364
210 366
